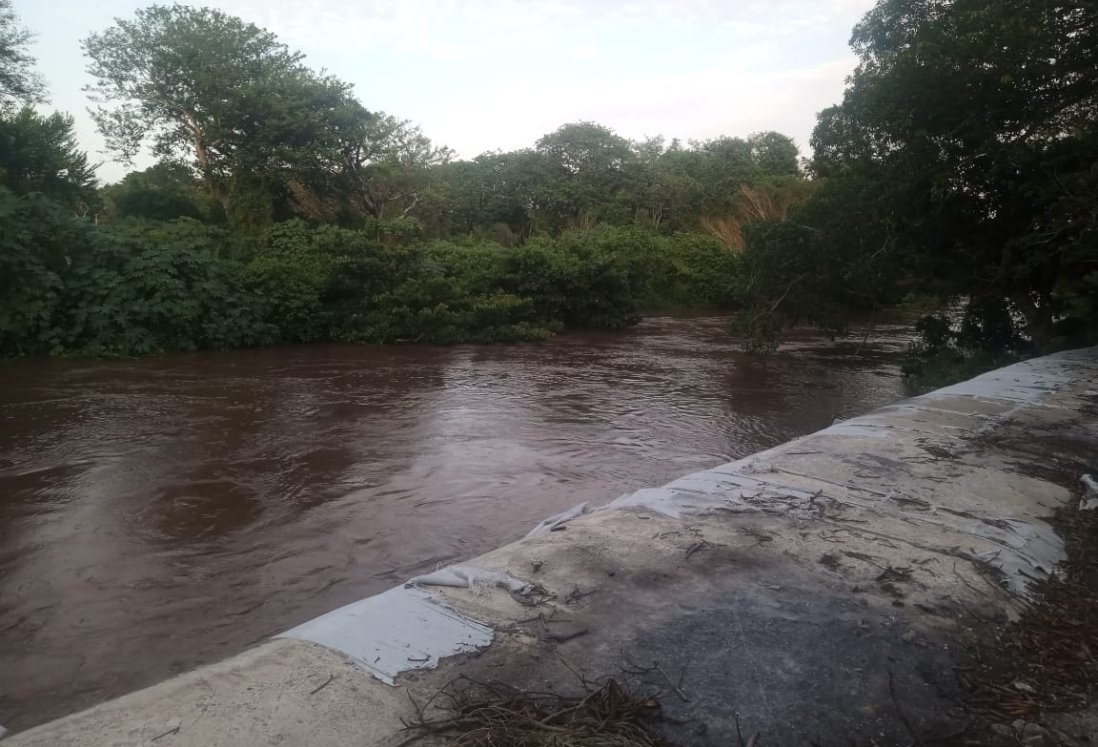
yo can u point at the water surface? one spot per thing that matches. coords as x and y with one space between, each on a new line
163 513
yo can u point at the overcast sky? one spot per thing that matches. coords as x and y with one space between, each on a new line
481 75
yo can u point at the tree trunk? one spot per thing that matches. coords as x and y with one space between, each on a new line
202 155
410 208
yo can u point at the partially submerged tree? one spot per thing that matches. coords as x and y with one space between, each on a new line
982 117
960 163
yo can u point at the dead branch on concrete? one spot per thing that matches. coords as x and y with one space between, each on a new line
845 486
759 536
575 595
863 557
322 685
901 574
696 547
532 596
586 683
568 634
635 669
173 730
739 735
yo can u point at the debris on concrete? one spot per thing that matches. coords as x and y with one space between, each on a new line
479 580
1051 662
557 521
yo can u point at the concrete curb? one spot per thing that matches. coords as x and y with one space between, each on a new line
818 571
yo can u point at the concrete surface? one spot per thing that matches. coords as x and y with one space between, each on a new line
819 592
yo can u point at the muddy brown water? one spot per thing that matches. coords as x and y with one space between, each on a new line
163 513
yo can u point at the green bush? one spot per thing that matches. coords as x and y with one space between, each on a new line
137 287
140 288
38 239
70 288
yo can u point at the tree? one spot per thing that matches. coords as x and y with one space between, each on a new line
672 194
494 191
804 264
19 83
387 161
728 163
202 84
164 191
982 117
39 154
774 154
591 174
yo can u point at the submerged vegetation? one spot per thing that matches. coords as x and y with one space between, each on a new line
959 166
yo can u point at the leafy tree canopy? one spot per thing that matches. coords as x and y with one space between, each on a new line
384 161
201 84
966 143
164 191
39 154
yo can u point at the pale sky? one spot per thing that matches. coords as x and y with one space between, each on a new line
481 75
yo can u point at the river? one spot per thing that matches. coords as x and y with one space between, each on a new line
163 513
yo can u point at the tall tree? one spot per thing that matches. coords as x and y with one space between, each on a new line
199 83
19 83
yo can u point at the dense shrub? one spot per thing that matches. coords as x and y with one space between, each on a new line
69 288
37 240
136 287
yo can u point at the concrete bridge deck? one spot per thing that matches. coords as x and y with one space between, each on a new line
823 591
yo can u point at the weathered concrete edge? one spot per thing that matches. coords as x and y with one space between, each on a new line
1026 547
397 631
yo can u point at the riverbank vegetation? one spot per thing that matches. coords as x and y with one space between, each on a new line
959 166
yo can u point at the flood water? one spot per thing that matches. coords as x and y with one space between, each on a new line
163 513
